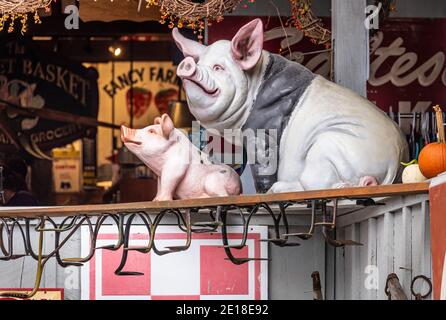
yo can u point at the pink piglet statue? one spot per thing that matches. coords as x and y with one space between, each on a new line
183 171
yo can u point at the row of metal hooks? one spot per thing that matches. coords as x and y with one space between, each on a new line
64 230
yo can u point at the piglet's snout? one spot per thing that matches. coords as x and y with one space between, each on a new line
187 68
128 135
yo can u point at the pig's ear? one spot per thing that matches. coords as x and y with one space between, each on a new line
157 120
247 44
166 125
189 47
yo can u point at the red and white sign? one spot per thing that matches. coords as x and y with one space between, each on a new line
437 201
201 272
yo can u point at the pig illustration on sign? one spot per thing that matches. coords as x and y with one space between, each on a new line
326 136
183 171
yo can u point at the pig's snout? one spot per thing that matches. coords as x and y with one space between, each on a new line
128 135
187 68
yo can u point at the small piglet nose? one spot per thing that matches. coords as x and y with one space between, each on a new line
186 68
127 133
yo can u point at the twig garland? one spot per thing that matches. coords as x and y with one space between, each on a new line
193 14
13 10
303 19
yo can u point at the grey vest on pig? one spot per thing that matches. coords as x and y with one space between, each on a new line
284 82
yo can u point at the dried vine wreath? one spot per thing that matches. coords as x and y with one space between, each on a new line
303 19
193 14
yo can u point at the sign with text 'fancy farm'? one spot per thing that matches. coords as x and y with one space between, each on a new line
141 91
32 79
407 59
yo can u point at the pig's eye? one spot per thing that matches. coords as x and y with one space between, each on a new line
152 131
218 67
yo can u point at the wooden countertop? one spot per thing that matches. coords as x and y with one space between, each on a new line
243 200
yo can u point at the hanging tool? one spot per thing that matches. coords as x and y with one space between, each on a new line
419 296
393 288
317 288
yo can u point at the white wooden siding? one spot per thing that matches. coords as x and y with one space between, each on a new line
395 238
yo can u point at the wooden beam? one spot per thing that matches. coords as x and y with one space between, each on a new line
55 26
350 44
243 200
56 115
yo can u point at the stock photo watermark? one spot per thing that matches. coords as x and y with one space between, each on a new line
71 278
72 20
371 22
371 281
254 146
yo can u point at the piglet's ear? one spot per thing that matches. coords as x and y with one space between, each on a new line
247 44
166 125
189 47
157 120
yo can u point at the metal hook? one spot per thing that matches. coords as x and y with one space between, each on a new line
309 234
419 296
227 248
327 227
279 240
39 271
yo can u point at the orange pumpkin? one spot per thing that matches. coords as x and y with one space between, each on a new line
432 158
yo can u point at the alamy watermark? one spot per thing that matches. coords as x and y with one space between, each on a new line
72 20
258 146
372 19
371 281
72 277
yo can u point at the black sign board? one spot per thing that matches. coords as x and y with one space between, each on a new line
34 79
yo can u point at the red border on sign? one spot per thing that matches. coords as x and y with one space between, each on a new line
176 236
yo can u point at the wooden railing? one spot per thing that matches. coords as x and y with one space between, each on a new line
243 200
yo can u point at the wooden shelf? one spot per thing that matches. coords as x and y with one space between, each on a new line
243 200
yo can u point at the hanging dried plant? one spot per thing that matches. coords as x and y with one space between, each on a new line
12 10
193 14
303 19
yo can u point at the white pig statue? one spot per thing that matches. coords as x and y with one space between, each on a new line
183 171
327 136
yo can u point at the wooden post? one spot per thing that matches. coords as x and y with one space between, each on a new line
350 44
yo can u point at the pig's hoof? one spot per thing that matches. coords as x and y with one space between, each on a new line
283 186
160 198
368 181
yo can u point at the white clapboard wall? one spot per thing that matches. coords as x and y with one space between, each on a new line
395 238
